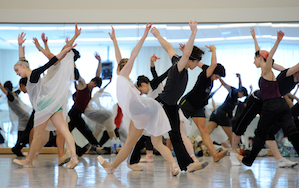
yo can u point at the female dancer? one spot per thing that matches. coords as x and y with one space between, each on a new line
139 109
274 109
48 103
192 104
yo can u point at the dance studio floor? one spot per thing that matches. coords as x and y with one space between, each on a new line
45 173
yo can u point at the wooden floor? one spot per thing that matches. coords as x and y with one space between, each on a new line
45 173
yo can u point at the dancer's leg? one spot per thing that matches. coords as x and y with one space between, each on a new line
187 143
235 142
59 122
168 143
229 133
60 144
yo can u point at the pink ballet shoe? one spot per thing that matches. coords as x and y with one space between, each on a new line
135 167
147 159
197 166
239 157
22 163
64 159
104 163
72 164
175 170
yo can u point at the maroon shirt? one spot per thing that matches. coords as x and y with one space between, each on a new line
82 99
269 89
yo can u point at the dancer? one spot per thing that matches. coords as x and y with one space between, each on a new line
287 80
145 113
221 116
274 109
192 104
17 108
45 98
175 86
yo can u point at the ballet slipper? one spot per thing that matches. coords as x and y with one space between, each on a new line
22 163
239 157
64 159
26 153
197 166
219 155
72 164
104 163
194 159
135 167
147 159
175 169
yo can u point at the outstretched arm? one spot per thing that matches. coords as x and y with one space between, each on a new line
293 70
21 40
166 45
228 87
153 70
257 48
189 47
47 53
278 67
45 40
99 69
213 65
116 48
128 67
269 61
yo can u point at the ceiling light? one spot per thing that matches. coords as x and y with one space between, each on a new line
237 25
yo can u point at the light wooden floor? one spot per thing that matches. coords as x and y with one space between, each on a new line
45 173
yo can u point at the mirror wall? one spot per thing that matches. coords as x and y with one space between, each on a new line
235 50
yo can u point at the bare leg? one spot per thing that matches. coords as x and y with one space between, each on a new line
168 143
35 145
61 126
235 142
97 133
229 133
111 134
187 143
60 144
165 152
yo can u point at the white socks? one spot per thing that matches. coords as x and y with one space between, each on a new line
234 160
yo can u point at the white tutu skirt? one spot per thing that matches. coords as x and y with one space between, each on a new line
51 93
146 113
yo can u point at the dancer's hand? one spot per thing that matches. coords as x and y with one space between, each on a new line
97 56
44 38
211 47
155 32
252 32
280 35
77 31
35 41
21 38
112 35
182 47
238 75
193 26
147 28
154 58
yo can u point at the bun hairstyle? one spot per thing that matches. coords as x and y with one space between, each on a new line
196 54
122 63
264 54
76 54
142 79
23 81
220 70
8 85
98 81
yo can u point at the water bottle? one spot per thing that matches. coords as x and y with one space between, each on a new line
118 144
113 146
292 151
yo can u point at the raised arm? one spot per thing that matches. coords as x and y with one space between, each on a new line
3 89
213 65
21 40
240 82
153 69
189 47
47 53
166 45
45 40
72 40
228 87
116 48
269 60
257 48
99 69
128 67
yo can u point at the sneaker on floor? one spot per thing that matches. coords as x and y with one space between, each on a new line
234 160
285 163
263 153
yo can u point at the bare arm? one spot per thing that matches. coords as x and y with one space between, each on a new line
240 82
278 67
99 69
296 90
45 40
189 47
116 48
166 45
71 42
257 48
21 40
213 65
228 87
128 67
287 97
213 104
293 70
47 53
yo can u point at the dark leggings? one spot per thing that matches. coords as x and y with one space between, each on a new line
135 155
273 110
106 137
77 121
175 135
